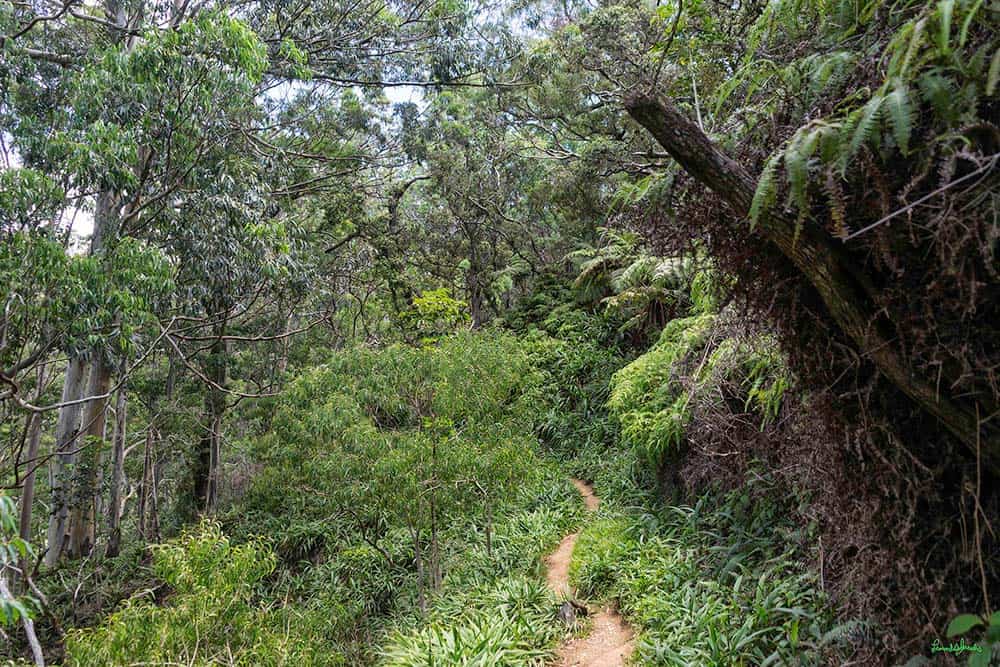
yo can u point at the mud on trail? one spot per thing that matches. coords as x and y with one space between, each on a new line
610 641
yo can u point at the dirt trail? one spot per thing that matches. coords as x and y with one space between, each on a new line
610 641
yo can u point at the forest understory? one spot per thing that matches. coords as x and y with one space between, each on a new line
520 333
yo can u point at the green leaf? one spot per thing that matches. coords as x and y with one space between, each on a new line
983 658
962 624
866 121
994 73
945 10
764 195
901 116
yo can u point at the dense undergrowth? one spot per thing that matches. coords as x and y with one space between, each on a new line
398 516
403 499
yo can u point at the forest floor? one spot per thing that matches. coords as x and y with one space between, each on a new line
610 640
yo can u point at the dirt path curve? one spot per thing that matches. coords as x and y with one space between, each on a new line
610 641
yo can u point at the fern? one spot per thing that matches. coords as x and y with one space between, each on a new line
994 74
900 116
862 124
963 34
939 91
945 10
797 170
767 190
915 31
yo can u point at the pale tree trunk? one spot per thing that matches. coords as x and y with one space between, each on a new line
33 437
846 292
117 477
82 518
83 506
67 428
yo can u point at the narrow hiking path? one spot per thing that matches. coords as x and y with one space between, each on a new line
610 640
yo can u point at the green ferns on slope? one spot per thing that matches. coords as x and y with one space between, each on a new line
655 395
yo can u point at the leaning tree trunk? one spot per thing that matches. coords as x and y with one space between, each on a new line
67 427
844 289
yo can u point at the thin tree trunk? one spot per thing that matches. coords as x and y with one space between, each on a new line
207 461
282 364
847 294
419 557
33 435
145 483
117 476
154 497
67 427
29 625
34 429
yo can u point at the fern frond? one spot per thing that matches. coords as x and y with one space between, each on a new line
864 122
830 68
916 41
945 9
767 190
900 116
939 91
797 170
670 272
636 274
994 74
963 34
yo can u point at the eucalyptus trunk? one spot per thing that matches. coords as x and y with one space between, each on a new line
67 430
33 438
83 504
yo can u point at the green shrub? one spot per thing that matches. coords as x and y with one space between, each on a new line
211 614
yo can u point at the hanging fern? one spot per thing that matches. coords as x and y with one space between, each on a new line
767 190
797 154
900 116
994 74
861 124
